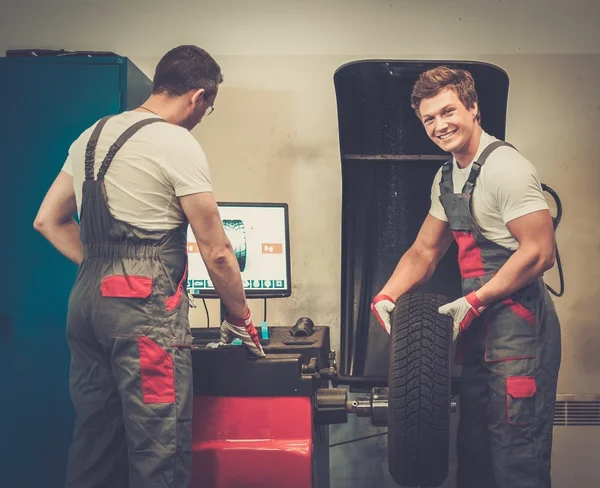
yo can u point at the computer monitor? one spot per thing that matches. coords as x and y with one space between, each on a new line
259 235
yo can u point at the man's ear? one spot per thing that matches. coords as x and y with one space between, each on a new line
197 96
474 109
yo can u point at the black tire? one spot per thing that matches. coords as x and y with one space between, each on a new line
236 233
419 392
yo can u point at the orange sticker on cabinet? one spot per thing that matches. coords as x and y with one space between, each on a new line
272 248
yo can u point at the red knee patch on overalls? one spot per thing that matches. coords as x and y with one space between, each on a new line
126 286
158 376
520 403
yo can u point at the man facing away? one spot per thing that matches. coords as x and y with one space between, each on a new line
137 179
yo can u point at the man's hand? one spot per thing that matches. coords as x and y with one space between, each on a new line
244 330
463 311
55 221
382 307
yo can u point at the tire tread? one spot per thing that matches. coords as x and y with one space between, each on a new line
419 392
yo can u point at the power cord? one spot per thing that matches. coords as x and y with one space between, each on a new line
555 221
560 277
265 311
207 314
358 439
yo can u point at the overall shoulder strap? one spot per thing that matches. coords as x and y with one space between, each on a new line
122 140
446 184
90 150
476 169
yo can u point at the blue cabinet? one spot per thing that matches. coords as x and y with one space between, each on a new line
45 103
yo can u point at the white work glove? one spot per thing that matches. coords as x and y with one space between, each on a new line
463 311
244 330
382 307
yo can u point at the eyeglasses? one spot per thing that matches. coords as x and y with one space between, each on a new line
210 109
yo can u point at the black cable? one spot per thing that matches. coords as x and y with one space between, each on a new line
265 311
560 277
358 439
207 314
555 221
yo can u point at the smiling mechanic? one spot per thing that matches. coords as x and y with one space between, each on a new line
488 197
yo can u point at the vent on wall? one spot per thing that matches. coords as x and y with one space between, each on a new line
577 410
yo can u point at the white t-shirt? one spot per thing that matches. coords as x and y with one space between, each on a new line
160 163
507 188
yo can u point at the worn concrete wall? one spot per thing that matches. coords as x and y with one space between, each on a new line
273 136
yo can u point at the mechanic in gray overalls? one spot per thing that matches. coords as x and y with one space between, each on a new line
489 199
137 179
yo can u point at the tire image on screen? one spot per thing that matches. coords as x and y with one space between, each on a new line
419 391
236 233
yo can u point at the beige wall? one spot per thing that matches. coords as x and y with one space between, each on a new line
273 136
312 27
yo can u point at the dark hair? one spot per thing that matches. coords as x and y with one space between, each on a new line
433 81
186 68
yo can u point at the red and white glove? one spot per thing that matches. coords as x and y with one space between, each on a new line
463 311
244 330
382 307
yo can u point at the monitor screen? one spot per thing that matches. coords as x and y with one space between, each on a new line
259 235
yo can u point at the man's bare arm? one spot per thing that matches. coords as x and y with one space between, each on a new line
202 212
55 218
535 254
418 263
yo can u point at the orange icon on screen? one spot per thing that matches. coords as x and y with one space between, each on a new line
270 248
192 247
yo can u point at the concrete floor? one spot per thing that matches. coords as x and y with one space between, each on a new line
363 464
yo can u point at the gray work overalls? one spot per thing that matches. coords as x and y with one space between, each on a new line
130 342
510 360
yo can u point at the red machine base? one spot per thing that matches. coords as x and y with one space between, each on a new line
252 442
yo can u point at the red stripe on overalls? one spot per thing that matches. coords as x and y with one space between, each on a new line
174 300
520 310
470 260
158 373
